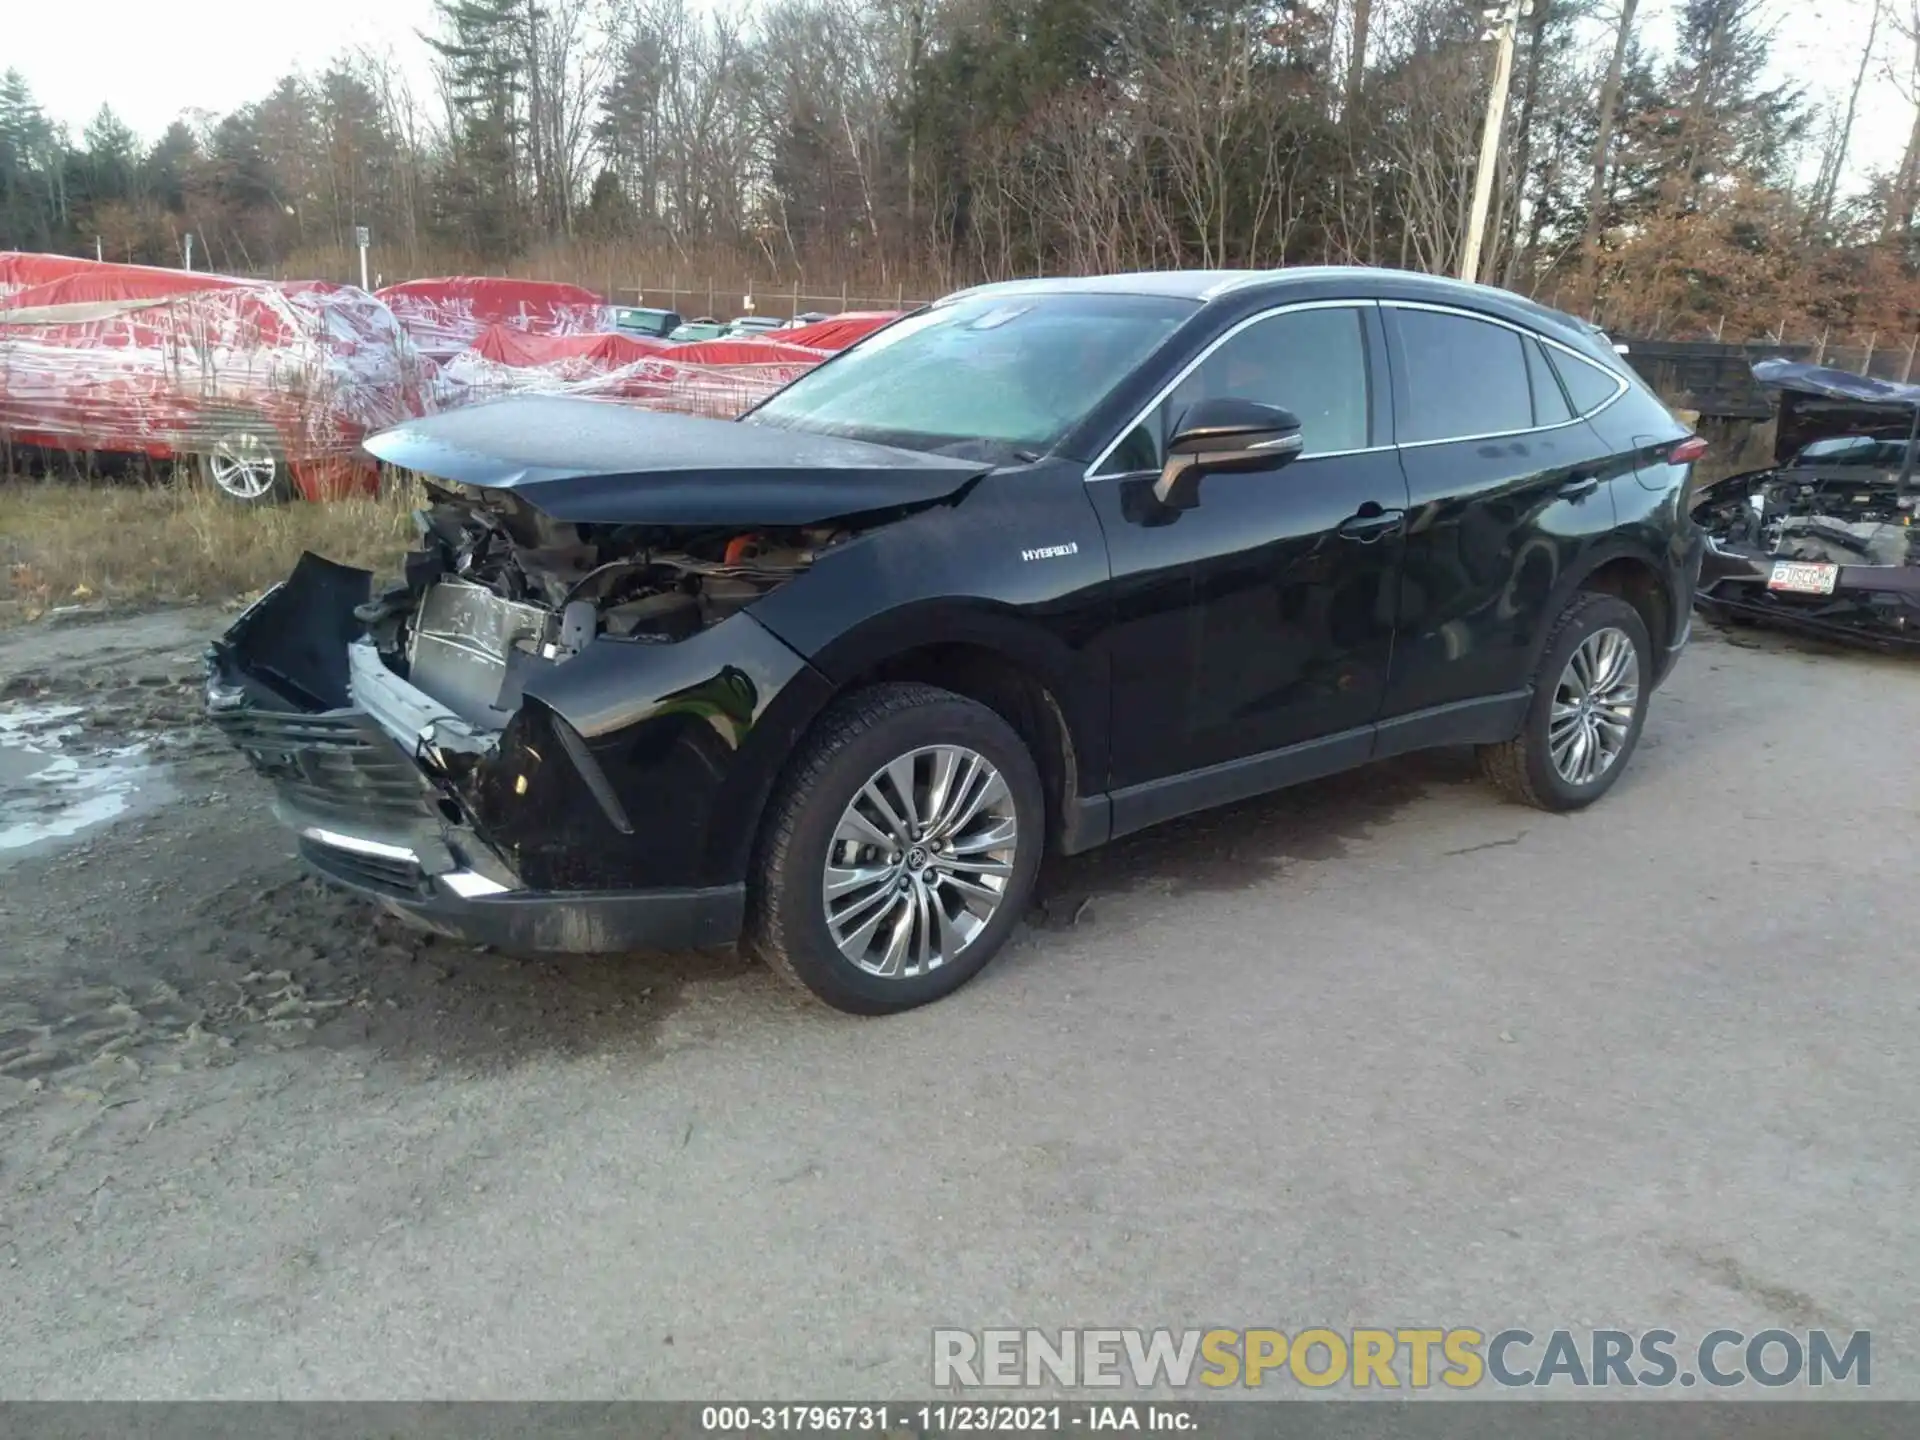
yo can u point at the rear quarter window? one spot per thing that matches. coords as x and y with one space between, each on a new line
1549 401
1589 386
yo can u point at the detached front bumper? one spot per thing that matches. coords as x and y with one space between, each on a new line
366 784
1870 604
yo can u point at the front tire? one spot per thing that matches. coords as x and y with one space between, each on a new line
900 852
246 464
1589 704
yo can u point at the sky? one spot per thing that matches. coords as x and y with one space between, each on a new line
151 62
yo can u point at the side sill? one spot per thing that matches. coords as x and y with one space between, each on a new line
1484 721
1138 806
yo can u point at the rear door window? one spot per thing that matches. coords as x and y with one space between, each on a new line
1465 377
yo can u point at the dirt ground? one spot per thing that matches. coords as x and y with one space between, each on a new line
1380 1050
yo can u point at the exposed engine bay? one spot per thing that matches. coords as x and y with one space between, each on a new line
1837 521
495 590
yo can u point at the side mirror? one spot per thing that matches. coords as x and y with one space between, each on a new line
1225 435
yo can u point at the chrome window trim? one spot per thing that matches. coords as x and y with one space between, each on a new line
1621 385
1194 364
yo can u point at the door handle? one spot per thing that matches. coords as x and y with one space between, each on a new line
1370 522
1579 485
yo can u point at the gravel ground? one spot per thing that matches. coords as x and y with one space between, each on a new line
1381 1050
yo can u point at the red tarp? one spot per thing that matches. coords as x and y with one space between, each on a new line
447 315
125 358
747 352
20 270
161 362
719 378
839 332
604 351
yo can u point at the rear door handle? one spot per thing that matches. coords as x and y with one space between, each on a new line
1370 522
1579 485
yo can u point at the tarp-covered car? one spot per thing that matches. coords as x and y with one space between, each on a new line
446 315
268 388
717 378
1822 541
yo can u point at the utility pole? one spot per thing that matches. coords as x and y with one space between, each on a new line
1506 20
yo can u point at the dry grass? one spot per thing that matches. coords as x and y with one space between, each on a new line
137 544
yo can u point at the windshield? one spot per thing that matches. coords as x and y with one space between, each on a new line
988 375
1853 450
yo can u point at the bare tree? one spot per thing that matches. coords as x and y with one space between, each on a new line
1833 163
1603 136
1898 220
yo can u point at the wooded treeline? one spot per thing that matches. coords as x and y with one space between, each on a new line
1655 180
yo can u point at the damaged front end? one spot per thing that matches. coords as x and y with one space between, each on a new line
553 734
1823 542
465 817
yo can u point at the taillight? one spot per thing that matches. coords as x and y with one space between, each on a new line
1687 451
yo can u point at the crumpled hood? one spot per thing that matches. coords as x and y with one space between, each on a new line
594 462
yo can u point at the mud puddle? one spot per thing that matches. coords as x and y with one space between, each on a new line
60 779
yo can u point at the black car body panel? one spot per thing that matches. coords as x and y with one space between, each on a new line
1840 498
619 626
578 460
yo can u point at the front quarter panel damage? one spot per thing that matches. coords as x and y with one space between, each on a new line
687 740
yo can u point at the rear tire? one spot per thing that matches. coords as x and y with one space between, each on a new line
1589 703
849 898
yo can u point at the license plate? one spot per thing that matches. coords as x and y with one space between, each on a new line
1803 577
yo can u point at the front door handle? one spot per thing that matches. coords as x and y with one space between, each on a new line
1370 522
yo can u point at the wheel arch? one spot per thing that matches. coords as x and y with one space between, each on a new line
1626 571
222 419
1049 693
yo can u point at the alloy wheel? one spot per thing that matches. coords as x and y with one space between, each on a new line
243 465
1593 706
920 861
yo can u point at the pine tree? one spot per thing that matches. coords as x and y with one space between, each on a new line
33 198
483 75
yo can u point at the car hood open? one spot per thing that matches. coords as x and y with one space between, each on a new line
593 462
1820 403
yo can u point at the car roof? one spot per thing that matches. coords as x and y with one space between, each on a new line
1204 285
1309 282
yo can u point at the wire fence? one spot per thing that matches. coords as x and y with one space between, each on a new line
712 299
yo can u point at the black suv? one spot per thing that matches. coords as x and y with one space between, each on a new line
1038 565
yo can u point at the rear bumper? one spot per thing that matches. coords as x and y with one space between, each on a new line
464 905
1678 646
1684 585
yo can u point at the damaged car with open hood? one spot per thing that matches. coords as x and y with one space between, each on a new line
1032 568
1822 541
